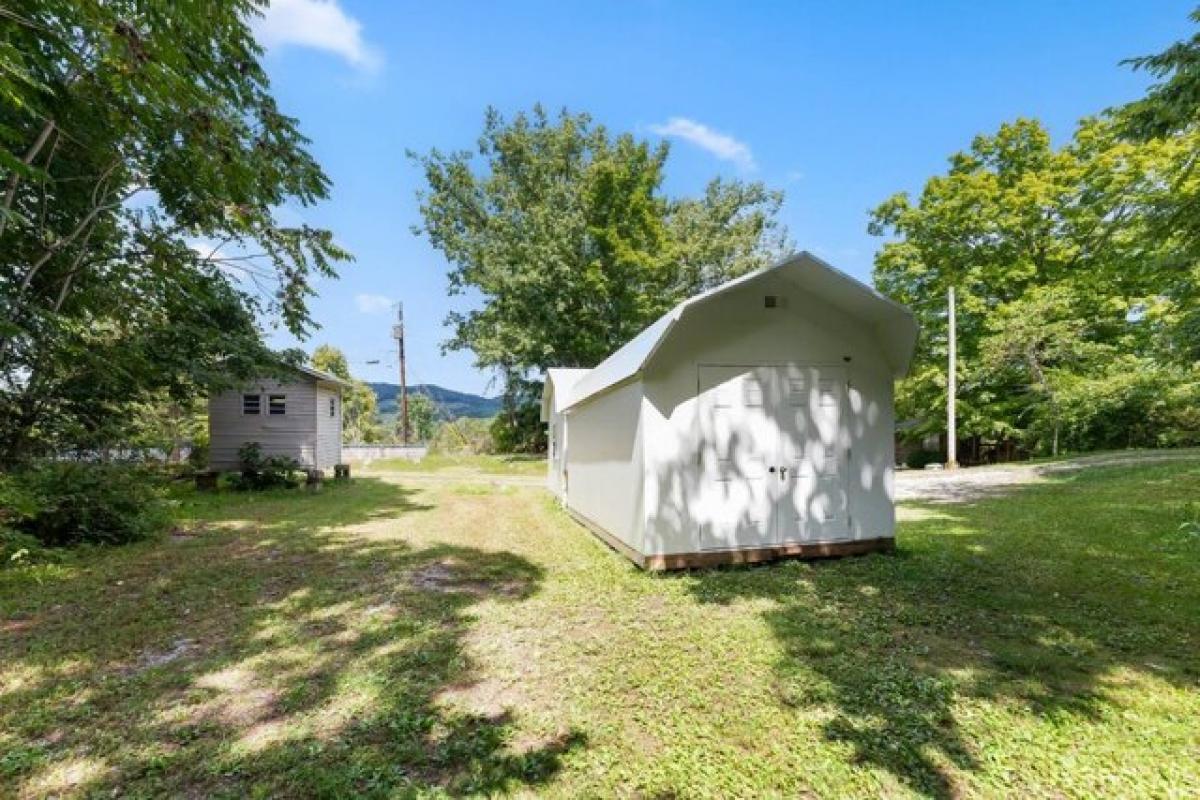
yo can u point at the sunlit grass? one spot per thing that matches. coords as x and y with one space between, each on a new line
450 464
463 637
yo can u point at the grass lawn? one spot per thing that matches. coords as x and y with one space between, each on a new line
464 637
449 464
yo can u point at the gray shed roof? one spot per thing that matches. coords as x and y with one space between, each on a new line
893 325
321 375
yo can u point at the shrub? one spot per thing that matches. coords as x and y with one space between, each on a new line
521 431
259 472
16 506
69 503
463 435
918 459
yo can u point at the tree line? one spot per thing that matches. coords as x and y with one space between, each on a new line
1077 273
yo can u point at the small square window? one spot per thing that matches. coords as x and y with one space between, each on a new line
251 403
276 405
332 407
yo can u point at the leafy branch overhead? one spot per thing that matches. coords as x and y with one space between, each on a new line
143 162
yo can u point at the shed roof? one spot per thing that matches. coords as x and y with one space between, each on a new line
893 325
320 375
559 382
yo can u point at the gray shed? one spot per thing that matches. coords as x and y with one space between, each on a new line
300 419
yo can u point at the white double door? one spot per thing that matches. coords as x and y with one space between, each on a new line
772 456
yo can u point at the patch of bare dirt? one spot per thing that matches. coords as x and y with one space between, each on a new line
447 576
149 659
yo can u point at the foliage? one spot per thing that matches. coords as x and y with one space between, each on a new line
422 419
62 503
142 164
168 426
17 505
259 472
1058 269
1173 104
360 414
919 459
518 427
565 235
467 435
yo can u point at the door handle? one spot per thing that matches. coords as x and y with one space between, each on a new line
783 472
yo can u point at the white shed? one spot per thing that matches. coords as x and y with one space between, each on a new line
558 386
299 418
750 422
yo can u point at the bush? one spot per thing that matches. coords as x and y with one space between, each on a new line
16 506
259 473
69 503
521 432
918 459
463 435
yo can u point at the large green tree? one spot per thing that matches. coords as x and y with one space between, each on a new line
562 230
142 163
1059 265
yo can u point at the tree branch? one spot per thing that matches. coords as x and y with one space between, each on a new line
14 180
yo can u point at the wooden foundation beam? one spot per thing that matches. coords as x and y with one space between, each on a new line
750 555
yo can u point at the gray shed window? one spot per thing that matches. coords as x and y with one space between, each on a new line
251 404
332 406
276 405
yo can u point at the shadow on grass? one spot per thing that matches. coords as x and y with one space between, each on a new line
313 665
336 504
1036 600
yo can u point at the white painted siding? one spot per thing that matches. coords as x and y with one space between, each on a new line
329 427
293 434
603 468
802 330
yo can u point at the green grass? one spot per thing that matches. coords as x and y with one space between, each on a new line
456 638
460 465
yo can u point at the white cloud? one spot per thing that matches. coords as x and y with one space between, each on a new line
319 24
793 176
372 303
721 145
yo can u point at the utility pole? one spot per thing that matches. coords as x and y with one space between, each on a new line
398 335
951 386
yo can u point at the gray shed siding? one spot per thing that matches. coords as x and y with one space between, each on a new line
329 427
293 434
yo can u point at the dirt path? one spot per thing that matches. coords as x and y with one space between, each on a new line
974 483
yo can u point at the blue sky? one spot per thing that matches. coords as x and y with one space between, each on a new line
838 104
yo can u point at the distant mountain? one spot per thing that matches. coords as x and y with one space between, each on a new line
455 404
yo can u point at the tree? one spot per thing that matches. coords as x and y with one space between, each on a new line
1055 255
1169 116
1032 343
360 407
1172 105
142 158
562 230
422 418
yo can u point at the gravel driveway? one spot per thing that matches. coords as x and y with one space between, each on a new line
973 483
